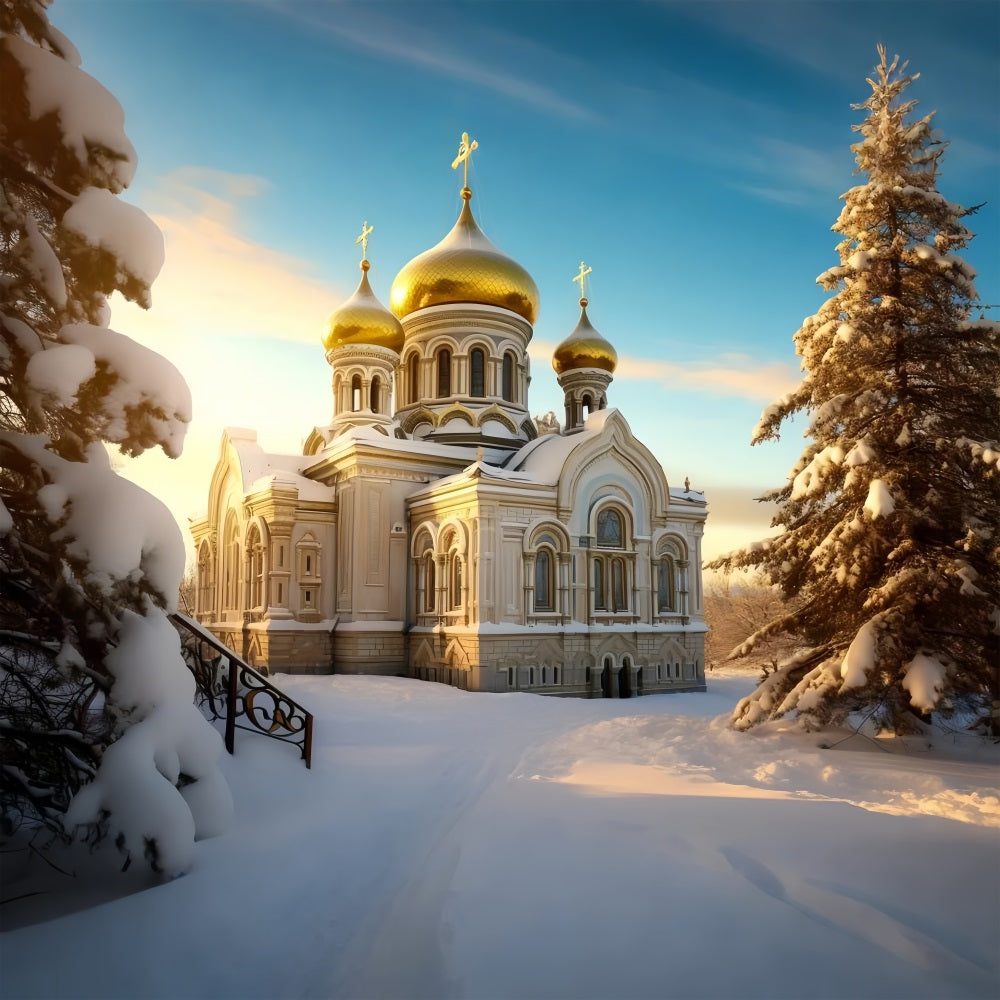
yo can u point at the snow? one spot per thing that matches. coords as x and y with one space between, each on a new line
43 264
448 844
89 115
112 526
147 383
103 220
879 502
924 679
860 657
60 371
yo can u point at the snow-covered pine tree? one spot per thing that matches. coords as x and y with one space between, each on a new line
891 515
95 700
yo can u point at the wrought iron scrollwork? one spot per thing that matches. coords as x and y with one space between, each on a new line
234 692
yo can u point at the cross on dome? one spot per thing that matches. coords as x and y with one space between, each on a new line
366 231
465 149
582 278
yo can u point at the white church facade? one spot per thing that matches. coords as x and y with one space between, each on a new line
433 530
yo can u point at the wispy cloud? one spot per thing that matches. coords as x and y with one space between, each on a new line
218 279
729 375
408 42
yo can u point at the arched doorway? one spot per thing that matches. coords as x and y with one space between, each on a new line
625 678
608 677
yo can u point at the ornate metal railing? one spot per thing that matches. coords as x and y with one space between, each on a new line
243 698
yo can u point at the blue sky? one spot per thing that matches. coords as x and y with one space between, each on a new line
691 153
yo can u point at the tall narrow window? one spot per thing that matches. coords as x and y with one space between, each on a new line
477 372
618 585
600 597
204 593
507 386
456 581
444 373
356 393
373 402
543 581
412 386
430 583
665 586
255 567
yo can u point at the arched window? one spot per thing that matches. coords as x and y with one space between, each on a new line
611 573
587 405
666 584
455 582
376 389
412 384
231 560
609 528
600 594
443 372
477 372
204 588
356 393
507 379
544 580
618 602
255 568
430 584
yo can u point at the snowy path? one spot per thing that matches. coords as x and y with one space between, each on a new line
452 845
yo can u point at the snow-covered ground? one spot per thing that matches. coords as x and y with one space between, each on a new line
447 844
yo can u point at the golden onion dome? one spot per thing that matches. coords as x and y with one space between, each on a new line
464 267
362 319
584 348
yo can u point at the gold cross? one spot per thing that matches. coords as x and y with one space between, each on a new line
464 152
582 278
366 231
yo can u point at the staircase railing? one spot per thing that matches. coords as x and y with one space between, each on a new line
242 697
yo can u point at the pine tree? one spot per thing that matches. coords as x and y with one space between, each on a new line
93 692
891 513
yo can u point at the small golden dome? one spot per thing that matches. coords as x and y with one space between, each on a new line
584 348
464 267
362 319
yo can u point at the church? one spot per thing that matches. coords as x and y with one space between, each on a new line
434 529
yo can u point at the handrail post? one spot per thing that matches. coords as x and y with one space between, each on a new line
232 698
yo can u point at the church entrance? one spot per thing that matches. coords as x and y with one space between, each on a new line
608 678
625 678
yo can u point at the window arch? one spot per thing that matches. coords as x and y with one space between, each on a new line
355 393
412 381
455 581
203 602
669 559
374 394
477 372
429 570
610 528
611 571
545 591
255 569
231 562
507 377
443 372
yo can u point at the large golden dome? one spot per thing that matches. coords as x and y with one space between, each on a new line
584 348
362 319
464 267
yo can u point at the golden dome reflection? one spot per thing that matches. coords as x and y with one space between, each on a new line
464 267
362 319
584 348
